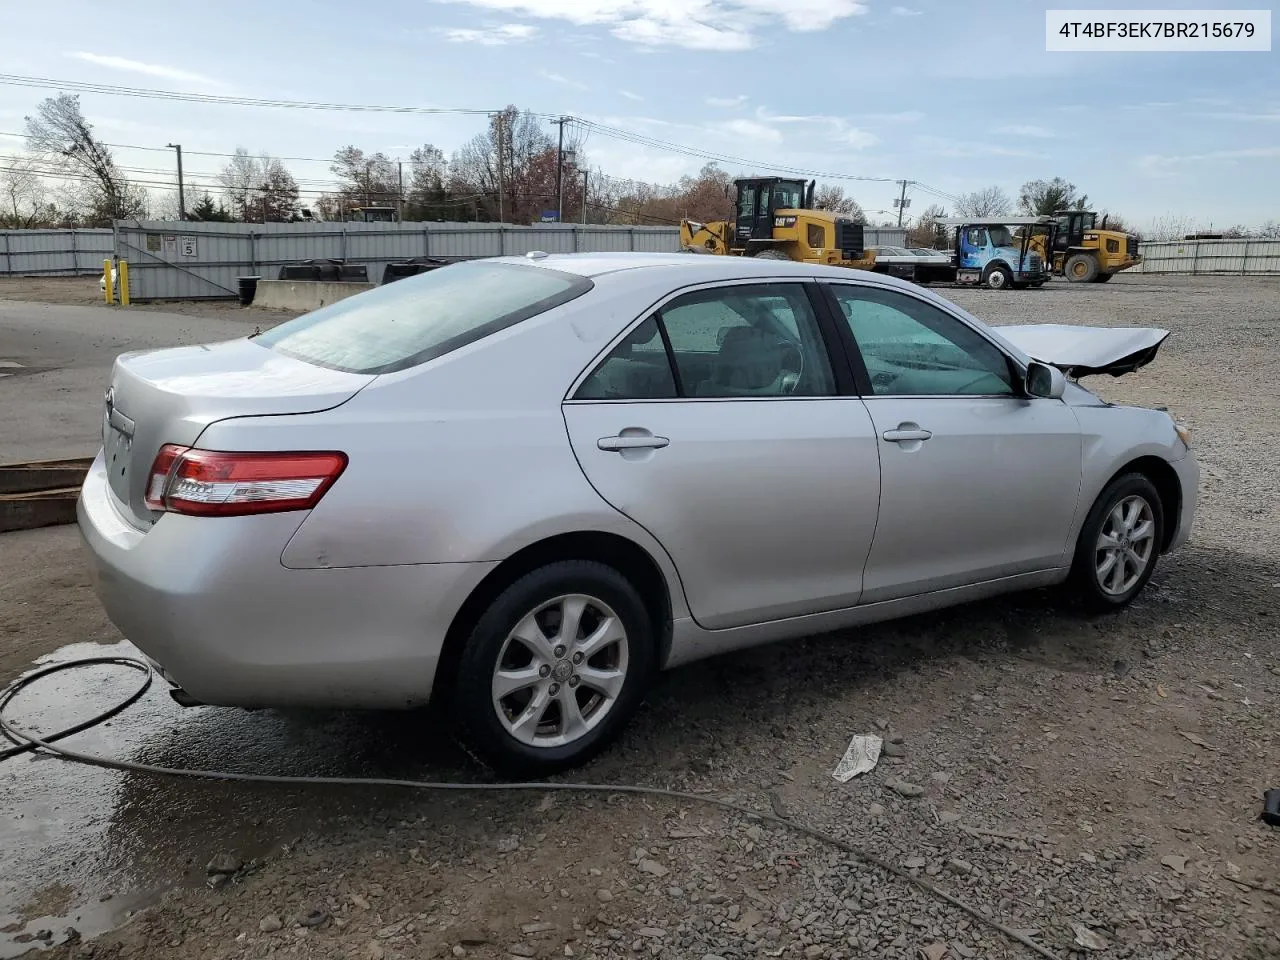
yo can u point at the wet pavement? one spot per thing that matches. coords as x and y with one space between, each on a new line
81 846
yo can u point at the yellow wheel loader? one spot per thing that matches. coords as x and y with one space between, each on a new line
1084 251
774 219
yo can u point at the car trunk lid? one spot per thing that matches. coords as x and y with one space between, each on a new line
171 396
1081 351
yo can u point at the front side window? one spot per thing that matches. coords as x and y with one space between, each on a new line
911 348
748 341
402 324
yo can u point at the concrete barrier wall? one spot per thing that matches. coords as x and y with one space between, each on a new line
302 296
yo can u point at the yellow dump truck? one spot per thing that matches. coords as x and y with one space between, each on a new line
774 219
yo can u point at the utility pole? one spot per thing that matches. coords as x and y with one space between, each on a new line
584 196
400 189
560 170
182 197
502 185
902 200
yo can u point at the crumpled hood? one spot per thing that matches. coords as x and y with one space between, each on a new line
1080 351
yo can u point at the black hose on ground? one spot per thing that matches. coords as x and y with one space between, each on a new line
27 742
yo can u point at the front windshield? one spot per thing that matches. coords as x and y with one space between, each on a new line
786 196
1001 237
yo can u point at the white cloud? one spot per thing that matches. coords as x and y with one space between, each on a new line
150 69
631 96
696 24
494 36
1025 130
859 139
750 130
727 101
949 147
1158 162
560 78
905 12
903 116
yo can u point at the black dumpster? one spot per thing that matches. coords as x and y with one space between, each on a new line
248 287
414 266
312 270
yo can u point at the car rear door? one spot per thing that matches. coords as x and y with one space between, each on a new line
978 480
720 424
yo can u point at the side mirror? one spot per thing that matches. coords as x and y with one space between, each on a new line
1045 381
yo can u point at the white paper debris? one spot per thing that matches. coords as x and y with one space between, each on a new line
861 757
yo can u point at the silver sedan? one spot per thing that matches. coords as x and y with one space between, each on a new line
524 485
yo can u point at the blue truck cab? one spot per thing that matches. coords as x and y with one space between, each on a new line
991 255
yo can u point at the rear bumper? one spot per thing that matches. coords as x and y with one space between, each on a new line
208 600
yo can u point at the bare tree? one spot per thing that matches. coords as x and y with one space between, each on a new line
22 203
1269 230
832 197
367 179
987 202
507 157
259 188
240 179
927 231
279 191
61 137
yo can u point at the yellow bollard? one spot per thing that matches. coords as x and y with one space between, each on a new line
110 288
124 283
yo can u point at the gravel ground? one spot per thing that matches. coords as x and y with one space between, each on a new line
1093 784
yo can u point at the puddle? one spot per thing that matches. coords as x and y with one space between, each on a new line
81 847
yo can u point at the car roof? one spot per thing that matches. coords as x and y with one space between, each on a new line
693 268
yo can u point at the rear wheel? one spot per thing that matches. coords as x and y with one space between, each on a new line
1081 268
554 669
1119 544
771 255
997 277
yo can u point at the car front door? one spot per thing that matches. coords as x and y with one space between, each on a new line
979 481
719 424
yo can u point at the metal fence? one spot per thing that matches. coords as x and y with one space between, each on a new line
884 236
190 261
1241 257
52 253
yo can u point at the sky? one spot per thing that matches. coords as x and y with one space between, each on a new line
955 96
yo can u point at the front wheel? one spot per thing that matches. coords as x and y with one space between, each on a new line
997 278
554 668
1119 544
1081 268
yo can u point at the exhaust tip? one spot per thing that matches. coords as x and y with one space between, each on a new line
184 699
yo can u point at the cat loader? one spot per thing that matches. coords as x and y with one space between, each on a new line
1084 251
774 219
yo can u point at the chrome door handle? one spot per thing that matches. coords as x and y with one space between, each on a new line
632 443
904 434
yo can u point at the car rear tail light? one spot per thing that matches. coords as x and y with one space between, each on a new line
215 483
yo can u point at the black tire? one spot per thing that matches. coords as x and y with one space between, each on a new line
771 255
1081 268
472 704
1084 580
997 277
1103 277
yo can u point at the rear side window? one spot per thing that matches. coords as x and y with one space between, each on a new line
408 322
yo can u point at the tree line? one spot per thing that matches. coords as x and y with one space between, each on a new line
507 172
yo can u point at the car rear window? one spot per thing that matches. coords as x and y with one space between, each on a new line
408 322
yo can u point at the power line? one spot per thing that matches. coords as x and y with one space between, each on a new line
153 94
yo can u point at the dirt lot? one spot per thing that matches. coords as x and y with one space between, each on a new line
1093 783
